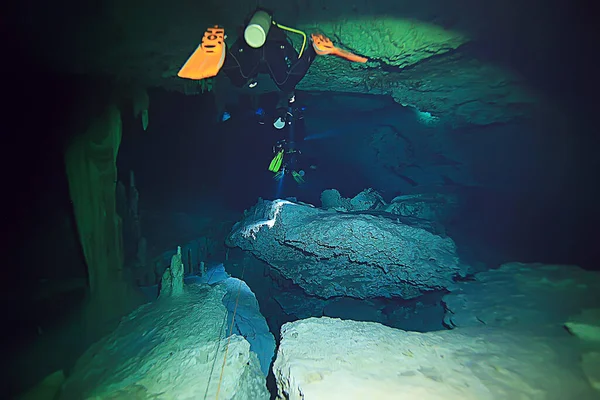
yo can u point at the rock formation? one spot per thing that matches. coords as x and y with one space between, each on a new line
360 255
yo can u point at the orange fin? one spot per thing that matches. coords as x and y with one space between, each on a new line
323 45
208 58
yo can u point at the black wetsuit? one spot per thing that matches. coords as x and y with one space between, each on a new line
277 57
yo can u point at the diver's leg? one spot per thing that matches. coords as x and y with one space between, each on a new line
241 63
284 65
279 56
297 70
323 45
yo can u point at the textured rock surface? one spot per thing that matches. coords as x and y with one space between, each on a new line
249 322
435 207
282 301
477 93
418 50
332 199
430 206
534 298
172 280
586 326
335 359
367 200
522 296
332 254
169 349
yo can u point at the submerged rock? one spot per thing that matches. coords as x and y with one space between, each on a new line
249 322
367 200
522 296
332 254
534 298
172 348
172 280
324 358
430 206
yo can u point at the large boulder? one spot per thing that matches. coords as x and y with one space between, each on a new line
437 207
169 349
522 296
359 255
324 358
535 298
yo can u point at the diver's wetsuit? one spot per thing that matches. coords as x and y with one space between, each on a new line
277 57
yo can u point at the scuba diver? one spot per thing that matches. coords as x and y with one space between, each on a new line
262 46
287 153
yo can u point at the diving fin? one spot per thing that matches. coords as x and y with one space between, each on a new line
208 58
276 162
323 45
297 177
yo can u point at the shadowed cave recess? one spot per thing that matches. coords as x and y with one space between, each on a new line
432 218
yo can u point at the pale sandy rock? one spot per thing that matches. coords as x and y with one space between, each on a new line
324 358
171 349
